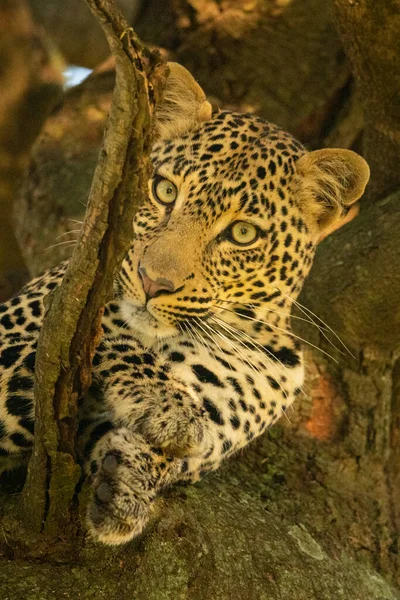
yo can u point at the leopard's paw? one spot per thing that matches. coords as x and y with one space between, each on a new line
124 486
176 424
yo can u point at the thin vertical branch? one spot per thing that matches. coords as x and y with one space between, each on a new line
71 328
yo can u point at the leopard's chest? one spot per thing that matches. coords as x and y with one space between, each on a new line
242 392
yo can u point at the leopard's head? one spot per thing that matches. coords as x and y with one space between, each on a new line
236 207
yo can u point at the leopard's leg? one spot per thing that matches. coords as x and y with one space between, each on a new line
12 462
142 395
17 409
165 414
126 474
135 448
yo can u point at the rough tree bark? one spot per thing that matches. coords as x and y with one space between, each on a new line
311 511
71 328
355 283
370 32
279 58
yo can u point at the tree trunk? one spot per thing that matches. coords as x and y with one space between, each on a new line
370 32
280 59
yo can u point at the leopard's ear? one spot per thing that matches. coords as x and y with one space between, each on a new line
329 182
185 105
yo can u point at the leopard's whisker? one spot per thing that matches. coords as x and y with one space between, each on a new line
71 242
186 326
233 330
192 336
269 364
321 328
197 339
248 341
276 312
264 351
242 357
205 342
291 334
311 314
68 233
212 338
208 334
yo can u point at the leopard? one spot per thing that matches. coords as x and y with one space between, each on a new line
198 357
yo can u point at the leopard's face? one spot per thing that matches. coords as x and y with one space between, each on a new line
222 230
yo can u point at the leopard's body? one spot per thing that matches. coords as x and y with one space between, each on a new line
197 357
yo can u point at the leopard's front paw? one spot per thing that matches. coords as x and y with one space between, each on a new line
124 486
176 424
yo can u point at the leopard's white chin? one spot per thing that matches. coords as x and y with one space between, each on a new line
144 326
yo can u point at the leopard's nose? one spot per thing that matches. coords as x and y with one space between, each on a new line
153 288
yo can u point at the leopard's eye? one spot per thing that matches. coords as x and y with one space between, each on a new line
243 233
164 191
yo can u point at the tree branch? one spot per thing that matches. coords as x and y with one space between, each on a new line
71 328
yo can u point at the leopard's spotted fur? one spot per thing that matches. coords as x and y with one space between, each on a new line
197 357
